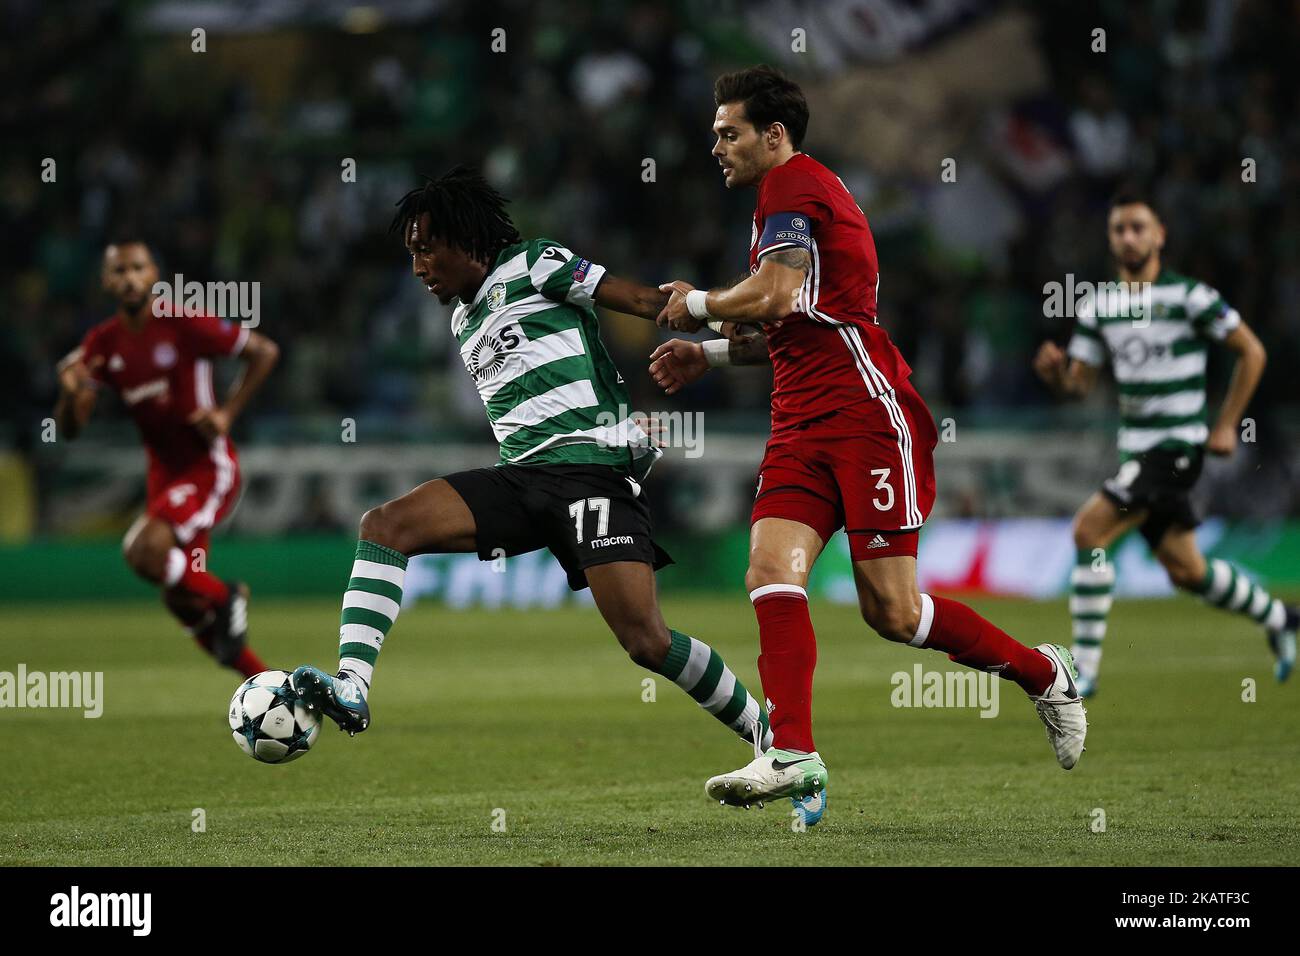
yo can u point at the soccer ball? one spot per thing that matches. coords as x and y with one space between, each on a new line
269 722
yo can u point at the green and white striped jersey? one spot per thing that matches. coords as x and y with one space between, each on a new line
1158 358
530 339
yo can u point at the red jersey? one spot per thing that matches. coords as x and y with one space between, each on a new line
830 354
163 373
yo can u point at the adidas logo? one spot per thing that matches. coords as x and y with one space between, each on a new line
878 542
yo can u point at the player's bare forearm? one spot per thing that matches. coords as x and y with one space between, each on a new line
631 298
260 356
677 363
751 350
76 395
71 412
769 295
1246 373
1066 377
1079 379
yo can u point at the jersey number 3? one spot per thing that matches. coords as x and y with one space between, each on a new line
882 484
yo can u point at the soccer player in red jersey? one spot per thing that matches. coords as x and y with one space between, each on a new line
851 441
158 359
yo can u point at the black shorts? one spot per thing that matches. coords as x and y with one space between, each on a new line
584 514
1160 483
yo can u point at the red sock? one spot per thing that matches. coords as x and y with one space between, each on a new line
205 585
180 574
787 661
194 614
190 615
248 663
969 639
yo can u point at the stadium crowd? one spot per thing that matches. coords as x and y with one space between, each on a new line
230 162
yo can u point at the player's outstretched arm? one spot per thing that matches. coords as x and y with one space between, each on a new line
769 295
631 298
678 363
1067 377
76 394
259 356
1246 373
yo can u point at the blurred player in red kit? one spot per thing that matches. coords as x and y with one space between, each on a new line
158 360
851 441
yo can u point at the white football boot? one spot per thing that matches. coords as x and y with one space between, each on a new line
1060 707
776 773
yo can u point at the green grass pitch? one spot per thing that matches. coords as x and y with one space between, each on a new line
541 715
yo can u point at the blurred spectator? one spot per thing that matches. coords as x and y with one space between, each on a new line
231 163
1101 132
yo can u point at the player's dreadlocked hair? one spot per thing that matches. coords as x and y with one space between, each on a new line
464 211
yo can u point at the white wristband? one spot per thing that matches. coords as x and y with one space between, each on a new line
696 305
717 352
715 325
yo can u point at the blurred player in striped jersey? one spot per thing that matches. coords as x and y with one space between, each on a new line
158 358
1158 360
572 461
850 448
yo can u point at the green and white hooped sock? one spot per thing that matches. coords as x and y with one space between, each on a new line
700 671
1091 582
370 606
1226 587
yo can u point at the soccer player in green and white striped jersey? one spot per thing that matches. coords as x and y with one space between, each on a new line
1157 343
571 460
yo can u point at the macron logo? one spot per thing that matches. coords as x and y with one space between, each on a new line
103 909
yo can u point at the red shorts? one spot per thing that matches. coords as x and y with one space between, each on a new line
871 473
193 499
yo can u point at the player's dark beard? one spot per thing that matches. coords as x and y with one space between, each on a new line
1135 265
134 306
